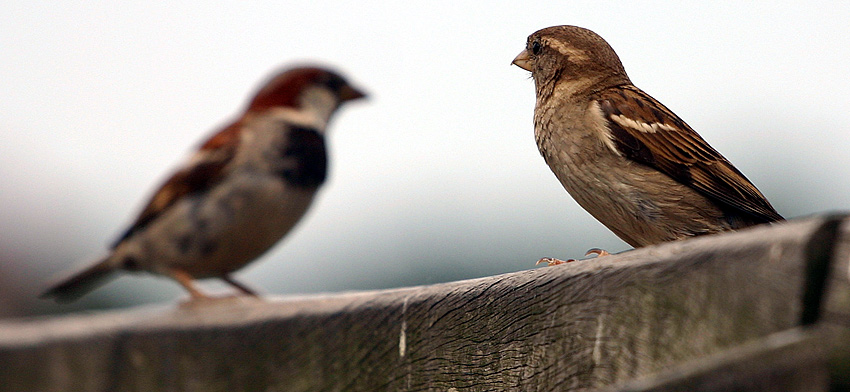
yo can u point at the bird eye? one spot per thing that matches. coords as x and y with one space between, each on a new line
535 48
335 83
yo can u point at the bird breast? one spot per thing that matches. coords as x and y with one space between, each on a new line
639 204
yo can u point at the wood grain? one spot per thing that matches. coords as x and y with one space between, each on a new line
577 326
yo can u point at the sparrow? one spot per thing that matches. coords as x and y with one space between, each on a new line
625 158
236 196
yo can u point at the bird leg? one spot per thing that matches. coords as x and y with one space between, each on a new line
188 282
239 286
553 261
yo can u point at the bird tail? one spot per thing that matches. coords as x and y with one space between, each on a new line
80 283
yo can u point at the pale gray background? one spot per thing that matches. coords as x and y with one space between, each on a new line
436 177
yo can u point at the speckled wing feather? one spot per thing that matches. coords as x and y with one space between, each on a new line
205 169
647 132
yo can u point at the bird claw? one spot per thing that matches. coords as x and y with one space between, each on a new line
553 261
550 261
598 252
202 302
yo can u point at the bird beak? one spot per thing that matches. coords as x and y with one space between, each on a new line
523 60
348 93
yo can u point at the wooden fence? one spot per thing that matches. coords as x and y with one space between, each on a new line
761 309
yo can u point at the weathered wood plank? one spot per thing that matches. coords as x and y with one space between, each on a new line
836 308
573 327
795 360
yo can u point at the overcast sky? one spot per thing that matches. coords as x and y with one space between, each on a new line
436 177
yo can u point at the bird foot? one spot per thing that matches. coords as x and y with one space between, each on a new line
550 261
200 302
598 252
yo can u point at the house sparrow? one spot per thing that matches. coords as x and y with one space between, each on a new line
235 197
623 156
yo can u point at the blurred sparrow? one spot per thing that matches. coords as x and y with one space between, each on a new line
235 197
623 156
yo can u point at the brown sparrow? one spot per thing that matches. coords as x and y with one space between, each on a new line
623 156
235 197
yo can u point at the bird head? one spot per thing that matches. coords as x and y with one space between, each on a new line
571 56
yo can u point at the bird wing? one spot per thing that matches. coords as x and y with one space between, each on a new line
645 131
205 169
